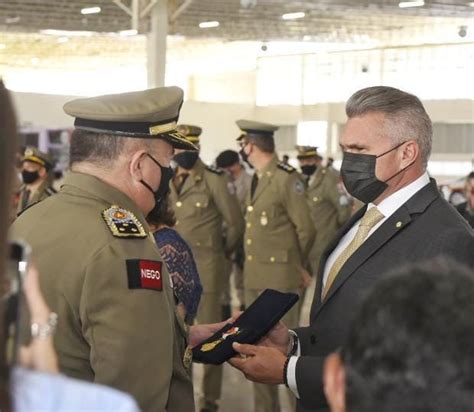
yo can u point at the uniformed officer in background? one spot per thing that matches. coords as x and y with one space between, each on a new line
101 271
330 207
35 173
279 232
229 160
203 201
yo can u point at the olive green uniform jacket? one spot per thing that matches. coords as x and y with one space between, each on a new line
279 232
43 192
109 331
330 209
205 202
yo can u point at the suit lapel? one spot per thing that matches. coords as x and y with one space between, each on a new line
398 221
327 252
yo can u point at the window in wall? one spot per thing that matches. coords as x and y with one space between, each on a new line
313 133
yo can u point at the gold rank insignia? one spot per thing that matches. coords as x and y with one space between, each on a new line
123 223
206 347
188 357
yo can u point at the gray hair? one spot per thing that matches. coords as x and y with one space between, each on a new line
101 148
407 118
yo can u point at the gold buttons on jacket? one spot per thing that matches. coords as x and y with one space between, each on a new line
249 208
249 225
198 204
399 224
272 259
179 204
249 242
249 258
315 198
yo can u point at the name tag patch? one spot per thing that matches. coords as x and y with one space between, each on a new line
144 274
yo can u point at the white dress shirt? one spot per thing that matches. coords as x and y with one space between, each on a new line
387 207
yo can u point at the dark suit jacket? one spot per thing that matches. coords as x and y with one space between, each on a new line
424 227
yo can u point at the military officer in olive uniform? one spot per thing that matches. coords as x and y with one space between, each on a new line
101 271
203 201
279 232
330 207
35 170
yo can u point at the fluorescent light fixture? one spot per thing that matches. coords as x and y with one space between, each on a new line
128 32
208 24
91 10
406 4
293 16
63 39
68 33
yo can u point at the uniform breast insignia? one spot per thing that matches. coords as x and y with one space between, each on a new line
123 223
285 167
206 347
298 187
214 170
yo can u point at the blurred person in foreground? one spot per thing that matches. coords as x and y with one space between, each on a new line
411 345
101 271
386 145
179 260
34 383
467 208
36 167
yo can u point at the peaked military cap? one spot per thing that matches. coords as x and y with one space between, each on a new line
191 133
32 154
149 113
250 127
305 152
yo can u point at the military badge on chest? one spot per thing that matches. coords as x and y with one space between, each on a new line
123 223
264 219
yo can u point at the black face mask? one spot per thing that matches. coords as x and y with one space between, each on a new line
308 170
29 177
245 157
160 193
358 175
187 159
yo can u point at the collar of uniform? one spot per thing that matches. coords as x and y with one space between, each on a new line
96 188
198 169
269 169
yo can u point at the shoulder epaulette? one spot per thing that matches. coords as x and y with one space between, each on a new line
50 191
123 223
285 167
214 170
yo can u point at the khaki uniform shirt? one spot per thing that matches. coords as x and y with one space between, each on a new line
206 201
279 232
28 198
111 330
330 209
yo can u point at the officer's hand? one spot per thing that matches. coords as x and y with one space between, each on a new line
199 333
259 364
277 338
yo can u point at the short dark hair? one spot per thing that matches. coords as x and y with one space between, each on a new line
227 158
265 143
411 346
94 147
470 176
164 215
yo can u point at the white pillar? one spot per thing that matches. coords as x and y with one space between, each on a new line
156 45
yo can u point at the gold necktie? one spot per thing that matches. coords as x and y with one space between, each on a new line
368 221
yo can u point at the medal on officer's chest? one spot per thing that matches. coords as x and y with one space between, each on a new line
264 219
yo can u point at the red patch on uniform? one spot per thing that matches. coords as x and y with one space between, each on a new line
144 274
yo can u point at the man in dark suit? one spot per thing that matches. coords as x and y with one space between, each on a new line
386 145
